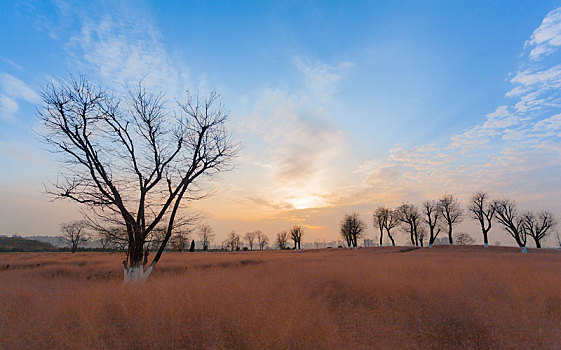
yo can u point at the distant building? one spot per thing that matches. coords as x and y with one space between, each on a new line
368 242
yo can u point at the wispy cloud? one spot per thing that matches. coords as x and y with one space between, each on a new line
13 90
123 46
513 150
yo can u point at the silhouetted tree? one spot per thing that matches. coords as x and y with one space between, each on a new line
192 246
451 211
411 218
262 239
463 238
206 236
296 233
133 157
483 211
392 220
180 239
537 225
282 239
507 215
352 228
74 233
422 233
432 215
380 219
233 241
250 238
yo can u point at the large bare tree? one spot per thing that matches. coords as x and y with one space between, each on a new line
451 211
507 215
432 215
133 158
483 211
296 233
352 228
537 225
75 233
410 217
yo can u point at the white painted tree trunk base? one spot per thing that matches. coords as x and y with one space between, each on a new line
430 245
524 250
486 245
136 274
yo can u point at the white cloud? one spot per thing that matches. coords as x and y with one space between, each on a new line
124 47
8 107
13 90
547 37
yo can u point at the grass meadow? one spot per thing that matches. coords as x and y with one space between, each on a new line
390 298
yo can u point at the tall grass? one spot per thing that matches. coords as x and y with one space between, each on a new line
445 297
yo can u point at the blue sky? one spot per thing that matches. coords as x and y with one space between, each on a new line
340 106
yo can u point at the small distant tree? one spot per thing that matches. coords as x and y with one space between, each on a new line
352 228
463 238
180 239
483 211
422 233
507 215
192 246
537 225
296 233
282 239
451 211
410 218
233 241
206 235
74 233
432 216
262 240
250 238
156 238
106 242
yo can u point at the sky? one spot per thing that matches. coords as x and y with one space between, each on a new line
339 106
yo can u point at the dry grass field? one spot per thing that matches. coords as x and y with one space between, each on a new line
440 298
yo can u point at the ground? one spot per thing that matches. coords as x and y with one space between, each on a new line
444 297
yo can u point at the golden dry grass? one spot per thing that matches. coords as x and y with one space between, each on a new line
445 297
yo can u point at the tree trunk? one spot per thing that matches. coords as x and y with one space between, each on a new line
391 238
450 234
485 239
135 272
538 244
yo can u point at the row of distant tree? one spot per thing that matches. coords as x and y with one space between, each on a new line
433 217
422 223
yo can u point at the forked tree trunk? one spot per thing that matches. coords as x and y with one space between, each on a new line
135 273
391 238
